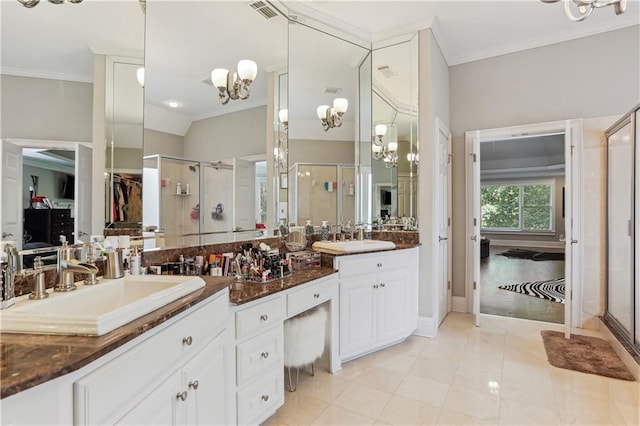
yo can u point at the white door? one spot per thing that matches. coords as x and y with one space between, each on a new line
444 220
160 406
391 295
243 194
573 140
475 222
11 193
82 213
357 315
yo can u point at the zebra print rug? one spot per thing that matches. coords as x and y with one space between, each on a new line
552 290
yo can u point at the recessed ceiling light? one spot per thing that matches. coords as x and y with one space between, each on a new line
173 104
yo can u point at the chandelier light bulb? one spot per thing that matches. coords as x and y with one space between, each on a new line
392 146
381 130
140 76
283 114
340 105
322 111
247 70
219 77
377 149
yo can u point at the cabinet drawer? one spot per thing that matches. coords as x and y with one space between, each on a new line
123 381
259 355
257 401
259 317
303 299
351 266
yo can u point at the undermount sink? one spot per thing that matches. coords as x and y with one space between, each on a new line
356 246
98 309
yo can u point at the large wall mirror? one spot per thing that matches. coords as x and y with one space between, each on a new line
48 91
395 147
210 171
323 111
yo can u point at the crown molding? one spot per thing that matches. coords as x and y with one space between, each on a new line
23 72
245 105
121 53
573 34
440 40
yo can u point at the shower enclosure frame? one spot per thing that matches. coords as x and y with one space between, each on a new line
629 338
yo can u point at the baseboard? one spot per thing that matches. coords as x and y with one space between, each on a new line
626 358
535 244
458 304
427 327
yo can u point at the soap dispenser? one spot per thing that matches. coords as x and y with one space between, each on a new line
308 228
324 231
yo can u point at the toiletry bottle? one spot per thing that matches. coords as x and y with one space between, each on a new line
308 228
178 188
182 268
188 189
134 262
324 231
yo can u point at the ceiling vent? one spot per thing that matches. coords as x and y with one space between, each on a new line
332 90
386 71
263 9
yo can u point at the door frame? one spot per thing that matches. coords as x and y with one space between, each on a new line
572 129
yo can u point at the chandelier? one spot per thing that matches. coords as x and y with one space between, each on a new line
332 116
234 85
388 154
584 8
32 3
413 158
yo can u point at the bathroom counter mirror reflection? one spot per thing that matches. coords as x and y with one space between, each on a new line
395 147
206 168
49 84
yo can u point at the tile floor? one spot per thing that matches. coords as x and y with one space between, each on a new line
495 374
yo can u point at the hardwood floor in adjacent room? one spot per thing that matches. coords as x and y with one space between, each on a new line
497 270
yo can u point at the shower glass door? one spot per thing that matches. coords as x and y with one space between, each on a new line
620 229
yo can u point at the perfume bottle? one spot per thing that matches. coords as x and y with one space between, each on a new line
308 228
324 231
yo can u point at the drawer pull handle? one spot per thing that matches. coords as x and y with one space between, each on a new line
382 285
264 355
265 398
264 317
316 296
375 286
187 340
194 385
182 396
379 265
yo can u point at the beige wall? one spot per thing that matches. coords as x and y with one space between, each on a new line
237 134
314 151
549 83
162 143
39 108
125 158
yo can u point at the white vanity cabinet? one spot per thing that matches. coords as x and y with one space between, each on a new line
378 300
180 375
259 359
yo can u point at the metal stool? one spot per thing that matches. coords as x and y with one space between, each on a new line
304 337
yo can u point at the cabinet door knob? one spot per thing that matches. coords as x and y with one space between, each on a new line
194 385
375 286
264 355
182 396
264 317
379 265
316 296
187 340
265 398
382 285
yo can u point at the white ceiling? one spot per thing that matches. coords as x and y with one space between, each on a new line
189 39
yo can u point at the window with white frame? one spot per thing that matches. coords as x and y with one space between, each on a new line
518 206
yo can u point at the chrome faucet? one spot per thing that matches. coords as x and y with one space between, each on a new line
67 266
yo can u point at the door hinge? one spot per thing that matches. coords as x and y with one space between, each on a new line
449 158
474 157
448 285
448 221
475 285
475 221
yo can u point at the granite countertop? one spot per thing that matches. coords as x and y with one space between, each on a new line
240 292
27 360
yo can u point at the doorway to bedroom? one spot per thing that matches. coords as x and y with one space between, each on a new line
522 230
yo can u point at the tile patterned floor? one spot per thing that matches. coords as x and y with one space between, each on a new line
495 374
